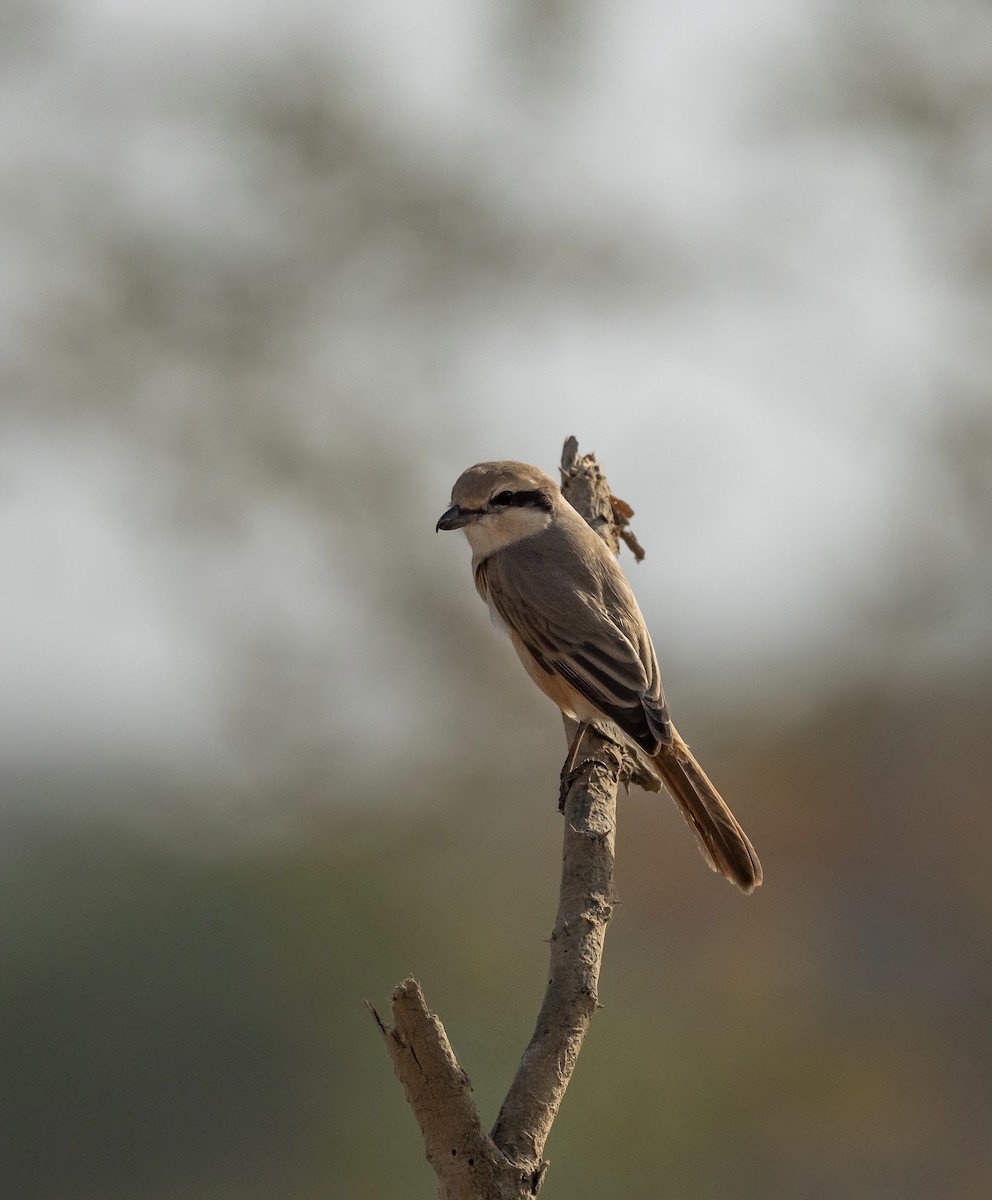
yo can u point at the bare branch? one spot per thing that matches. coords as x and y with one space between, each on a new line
464 1157
584 908
509 1165
584 486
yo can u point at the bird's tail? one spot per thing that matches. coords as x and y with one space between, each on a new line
724 844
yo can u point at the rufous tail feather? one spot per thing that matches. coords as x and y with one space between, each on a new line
724 844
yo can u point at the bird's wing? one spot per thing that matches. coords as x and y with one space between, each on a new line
587 635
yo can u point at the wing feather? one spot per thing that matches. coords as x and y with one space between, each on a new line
581 622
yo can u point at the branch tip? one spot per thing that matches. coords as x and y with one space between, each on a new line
375 1017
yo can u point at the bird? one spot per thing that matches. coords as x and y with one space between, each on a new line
553 585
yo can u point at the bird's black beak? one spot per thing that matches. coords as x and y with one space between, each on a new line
454 518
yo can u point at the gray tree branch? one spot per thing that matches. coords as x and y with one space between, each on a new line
508 1164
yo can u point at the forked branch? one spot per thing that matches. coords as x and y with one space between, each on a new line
508 1164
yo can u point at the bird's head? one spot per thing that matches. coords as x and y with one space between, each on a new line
498 503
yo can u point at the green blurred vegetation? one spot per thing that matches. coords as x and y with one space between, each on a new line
189 1021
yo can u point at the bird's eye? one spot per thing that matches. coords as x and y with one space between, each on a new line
502 499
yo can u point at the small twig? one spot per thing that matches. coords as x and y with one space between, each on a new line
584 486
586 489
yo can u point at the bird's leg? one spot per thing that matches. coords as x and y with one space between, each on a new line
569 765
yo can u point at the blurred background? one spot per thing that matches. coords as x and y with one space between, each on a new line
273 275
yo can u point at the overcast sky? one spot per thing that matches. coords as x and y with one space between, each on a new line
766 401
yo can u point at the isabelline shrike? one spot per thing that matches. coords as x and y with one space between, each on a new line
554 586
